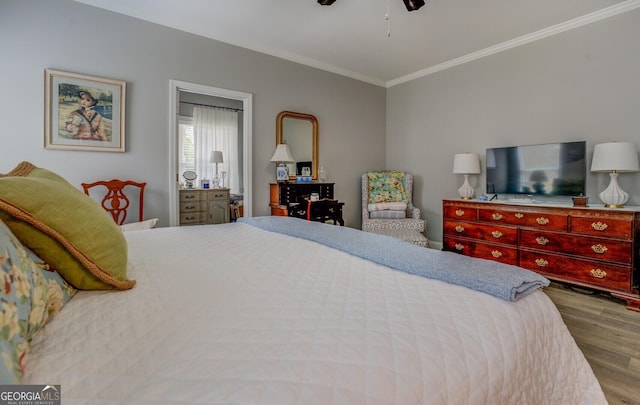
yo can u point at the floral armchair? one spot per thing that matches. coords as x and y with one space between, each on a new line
387 206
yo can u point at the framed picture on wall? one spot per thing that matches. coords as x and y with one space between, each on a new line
83 112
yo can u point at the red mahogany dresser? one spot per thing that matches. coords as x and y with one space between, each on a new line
590 247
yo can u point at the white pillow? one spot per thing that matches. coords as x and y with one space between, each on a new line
138 226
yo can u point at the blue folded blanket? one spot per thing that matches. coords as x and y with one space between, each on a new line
501 280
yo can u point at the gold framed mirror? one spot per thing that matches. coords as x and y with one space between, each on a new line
300 132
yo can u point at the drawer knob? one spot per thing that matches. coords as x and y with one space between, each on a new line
497 254
496 216
599 248
459 246
459 213
496 234
542 240
459 228
599 226
542 220
542 263
519 215
598 273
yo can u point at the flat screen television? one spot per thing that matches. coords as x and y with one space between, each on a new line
552 169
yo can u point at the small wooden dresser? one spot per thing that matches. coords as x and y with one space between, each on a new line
282 195
591 247
204 206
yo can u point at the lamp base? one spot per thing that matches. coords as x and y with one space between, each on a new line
613 196
282 173
466 191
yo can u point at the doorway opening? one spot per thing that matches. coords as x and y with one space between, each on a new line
176 87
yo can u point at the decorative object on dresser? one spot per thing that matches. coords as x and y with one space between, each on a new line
466 163
387 206
615 157
204 206
115 201
216 158
189 177
590 247
281 156
292 199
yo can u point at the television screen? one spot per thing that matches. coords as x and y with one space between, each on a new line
554 169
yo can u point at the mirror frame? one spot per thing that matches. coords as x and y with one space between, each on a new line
314 141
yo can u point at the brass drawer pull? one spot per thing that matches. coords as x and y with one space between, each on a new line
599 226
189 197
496 234
459 246
598 273
519 215
496 253
542 220
459 228
459 213
599 248
542 263
190 207
496 216
542 240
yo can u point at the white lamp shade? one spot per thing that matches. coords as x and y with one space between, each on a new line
216 156
282 154
466 163
615 156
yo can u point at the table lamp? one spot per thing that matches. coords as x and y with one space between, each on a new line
466 163
216 157
615 157
282 155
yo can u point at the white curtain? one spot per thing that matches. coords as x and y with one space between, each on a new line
216 129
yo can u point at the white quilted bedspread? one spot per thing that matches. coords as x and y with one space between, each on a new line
231 314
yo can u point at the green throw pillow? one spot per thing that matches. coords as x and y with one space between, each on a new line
386 186
65 227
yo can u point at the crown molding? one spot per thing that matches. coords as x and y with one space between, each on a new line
578 22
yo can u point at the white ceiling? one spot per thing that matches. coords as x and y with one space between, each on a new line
350 37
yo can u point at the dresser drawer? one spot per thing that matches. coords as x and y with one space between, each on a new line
218 195
499 253
458 212
493 233
186 195
192 206
618 228
590 247
597 274
194 218
556 222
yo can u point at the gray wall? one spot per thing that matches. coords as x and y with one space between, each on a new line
73 37
579 85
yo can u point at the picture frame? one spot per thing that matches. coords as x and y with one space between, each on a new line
84 112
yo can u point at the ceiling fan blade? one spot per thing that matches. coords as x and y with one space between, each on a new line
413 5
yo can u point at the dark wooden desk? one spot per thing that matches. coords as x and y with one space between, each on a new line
320 211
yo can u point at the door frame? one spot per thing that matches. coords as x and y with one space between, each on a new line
175 86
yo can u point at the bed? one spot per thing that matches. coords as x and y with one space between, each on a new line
254 313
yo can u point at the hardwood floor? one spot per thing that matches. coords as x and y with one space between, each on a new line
609 336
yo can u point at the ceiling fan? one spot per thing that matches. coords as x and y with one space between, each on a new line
412 5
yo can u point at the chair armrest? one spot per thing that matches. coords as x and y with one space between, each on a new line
413 212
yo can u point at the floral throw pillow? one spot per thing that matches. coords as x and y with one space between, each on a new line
31 295
386 186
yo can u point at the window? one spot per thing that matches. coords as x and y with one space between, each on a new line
187 149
